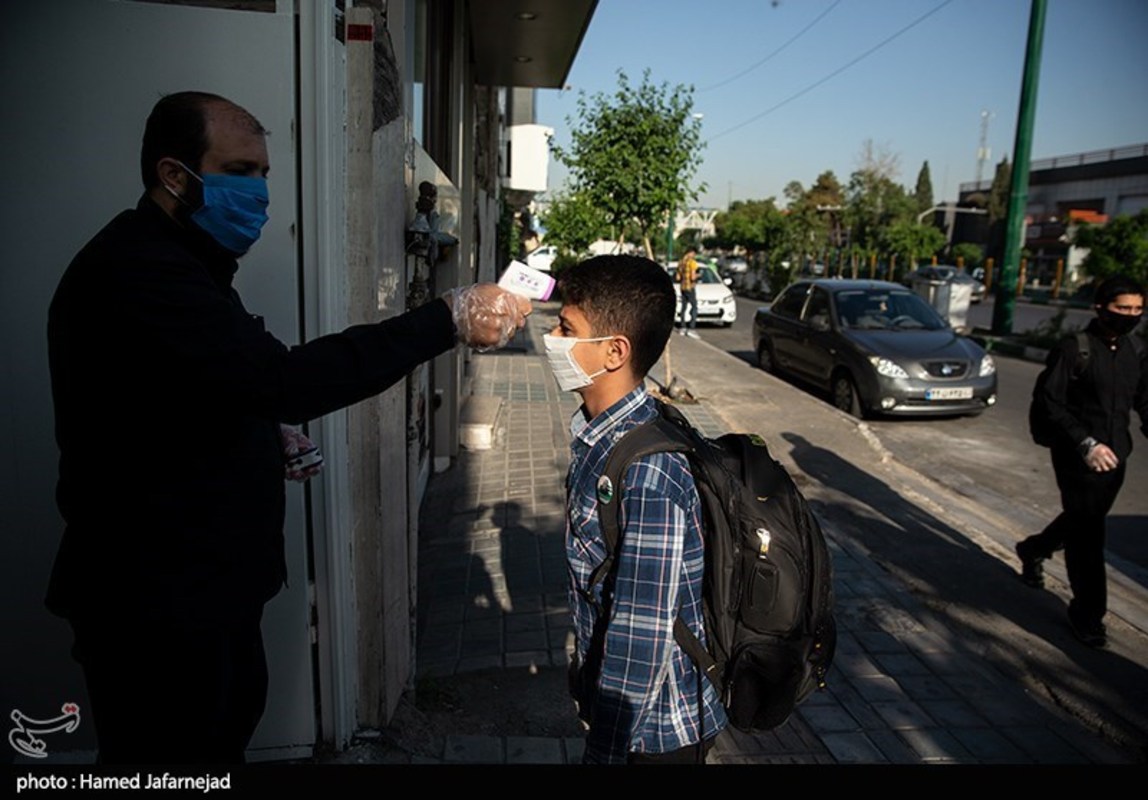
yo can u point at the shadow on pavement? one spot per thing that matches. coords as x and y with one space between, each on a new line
950 572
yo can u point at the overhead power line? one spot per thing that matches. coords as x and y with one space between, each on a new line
754 66
833 74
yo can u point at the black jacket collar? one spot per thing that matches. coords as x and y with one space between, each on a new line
220 262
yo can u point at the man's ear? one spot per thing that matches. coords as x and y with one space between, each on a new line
618 353
172 175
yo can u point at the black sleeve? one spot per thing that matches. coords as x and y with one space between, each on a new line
1140 401
334 371
1054 395
201 342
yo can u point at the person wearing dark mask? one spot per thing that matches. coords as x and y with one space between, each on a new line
1087 398
170 403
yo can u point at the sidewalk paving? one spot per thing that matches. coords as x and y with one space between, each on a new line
918 677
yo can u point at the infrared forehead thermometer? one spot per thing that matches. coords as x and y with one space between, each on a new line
526 281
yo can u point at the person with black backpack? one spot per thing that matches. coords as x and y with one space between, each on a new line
639 693
1081 409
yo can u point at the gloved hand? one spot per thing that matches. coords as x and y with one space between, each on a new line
1100 458
301 458
485 315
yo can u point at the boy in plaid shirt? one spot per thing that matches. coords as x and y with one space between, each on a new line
639 693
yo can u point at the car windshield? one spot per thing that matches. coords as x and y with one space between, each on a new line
882 309
708 275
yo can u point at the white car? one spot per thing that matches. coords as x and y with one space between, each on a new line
715 300
542 257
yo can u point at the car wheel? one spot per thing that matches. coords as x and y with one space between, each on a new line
765 358
845 395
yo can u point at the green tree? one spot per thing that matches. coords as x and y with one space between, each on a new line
911 240
755 225
971 254
997 206
763 230
633 154
873 198
573 222
998 194
924 192
826 192
1118 247
508 235
874 201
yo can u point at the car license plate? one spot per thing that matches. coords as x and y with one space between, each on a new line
950 393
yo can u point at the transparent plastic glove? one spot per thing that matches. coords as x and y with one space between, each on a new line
1101 458
486 316
301 458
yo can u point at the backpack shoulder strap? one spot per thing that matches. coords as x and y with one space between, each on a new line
1137 344
656 436
671 432
1083 350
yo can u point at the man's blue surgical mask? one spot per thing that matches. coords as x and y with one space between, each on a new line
234 209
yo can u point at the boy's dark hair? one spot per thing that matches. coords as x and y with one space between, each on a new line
625 295
177 128
1111 288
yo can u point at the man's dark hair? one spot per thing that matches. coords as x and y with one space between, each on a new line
1111 288
625 295
177 128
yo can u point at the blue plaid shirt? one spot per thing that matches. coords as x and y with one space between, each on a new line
647 692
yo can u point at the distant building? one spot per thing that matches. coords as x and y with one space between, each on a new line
1062 192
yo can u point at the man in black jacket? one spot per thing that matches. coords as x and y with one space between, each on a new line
1088 399
169 400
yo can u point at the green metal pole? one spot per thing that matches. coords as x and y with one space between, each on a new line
670 237
1018 192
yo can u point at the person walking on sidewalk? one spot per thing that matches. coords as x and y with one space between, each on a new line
169 402
687 276
640 694
1087 398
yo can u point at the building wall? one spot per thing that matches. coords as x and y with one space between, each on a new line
77 80
1123 194
345 178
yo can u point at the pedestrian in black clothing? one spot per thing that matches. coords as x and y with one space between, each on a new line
1088 399
169 400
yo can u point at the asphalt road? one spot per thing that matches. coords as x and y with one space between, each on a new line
989 458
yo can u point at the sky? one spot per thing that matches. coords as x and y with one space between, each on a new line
791 88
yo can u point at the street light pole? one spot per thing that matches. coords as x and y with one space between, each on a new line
1018 193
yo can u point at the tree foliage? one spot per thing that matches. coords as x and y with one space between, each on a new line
911 240
756 225
924 192
814 216
968 253
999 193
573 222
875 202
1118 247
634 153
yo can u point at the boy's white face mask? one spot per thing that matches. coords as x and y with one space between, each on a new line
567 371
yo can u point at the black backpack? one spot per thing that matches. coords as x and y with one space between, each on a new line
1040 427
768 585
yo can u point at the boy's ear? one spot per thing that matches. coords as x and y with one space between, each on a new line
618 353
